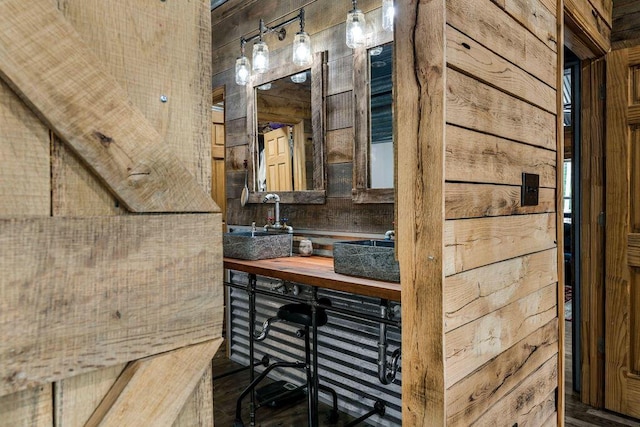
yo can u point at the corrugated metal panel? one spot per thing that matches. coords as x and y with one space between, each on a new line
348 348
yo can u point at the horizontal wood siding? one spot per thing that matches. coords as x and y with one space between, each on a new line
324 21
625 30
500 258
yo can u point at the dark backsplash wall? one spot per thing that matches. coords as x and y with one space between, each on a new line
325 24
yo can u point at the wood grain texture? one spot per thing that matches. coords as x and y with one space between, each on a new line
152 391
469 398
25 175
537 16
144 284
151 49
618 277
471 243
496 30
473 105
198 409
474 344
480 200
592 28
77 397
592 271
340 146
340 75
477 157
340 180
468 56
31 407
340 111
532 403
420 82
76 190
474 293
625 27
91 112
336 214
622 298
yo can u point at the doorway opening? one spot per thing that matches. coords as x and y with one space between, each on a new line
218 181
572 219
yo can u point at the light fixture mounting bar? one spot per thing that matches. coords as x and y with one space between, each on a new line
265 29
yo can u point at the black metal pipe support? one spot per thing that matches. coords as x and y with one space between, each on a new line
379 408
347 312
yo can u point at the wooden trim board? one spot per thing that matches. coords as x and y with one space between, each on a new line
78 294
152 391
420 101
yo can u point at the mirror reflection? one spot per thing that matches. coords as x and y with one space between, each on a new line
284 150
381 162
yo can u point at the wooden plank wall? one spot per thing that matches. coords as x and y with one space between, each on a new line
625 31
151 48
500 258
325 24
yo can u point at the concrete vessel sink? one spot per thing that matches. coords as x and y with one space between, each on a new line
262 245
373 259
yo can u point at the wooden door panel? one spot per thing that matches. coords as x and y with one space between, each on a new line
622 286
278 159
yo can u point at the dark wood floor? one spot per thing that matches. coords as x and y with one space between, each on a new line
227 389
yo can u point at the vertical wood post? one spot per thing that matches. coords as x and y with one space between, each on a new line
420 81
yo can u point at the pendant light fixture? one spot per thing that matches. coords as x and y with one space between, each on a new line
356 26
302 51
388 13
260 53
302 45
243 67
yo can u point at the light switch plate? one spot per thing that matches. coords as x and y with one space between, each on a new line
530 189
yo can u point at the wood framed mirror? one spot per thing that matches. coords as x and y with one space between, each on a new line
285 124
374 148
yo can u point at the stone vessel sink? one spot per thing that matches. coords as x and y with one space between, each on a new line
262 245
373 259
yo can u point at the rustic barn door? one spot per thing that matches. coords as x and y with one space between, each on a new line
622 310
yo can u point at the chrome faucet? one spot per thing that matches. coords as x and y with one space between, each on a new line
389 234
277 225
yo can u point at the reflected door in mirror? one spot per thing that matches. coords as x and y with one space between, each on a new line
278 160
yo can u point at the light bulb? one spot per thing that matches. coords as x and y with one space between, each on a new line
242 70
260 57
388 13
302 49
355 29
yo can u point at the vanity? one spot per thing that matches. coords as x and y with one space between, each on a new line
363 318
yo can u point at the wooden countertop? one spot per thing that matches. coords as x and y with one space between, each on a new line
315 271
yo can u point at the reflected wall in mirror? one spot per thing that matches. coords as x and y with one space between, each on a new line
285 135
373 169
285 118
381 117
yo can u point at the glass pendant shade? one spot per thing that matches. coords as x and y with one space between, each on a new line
302 53
243 70
260 57
355 29
300 77
387 15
